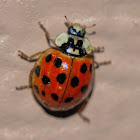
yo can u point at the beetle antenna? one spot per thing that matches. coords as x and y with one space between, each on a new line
68 20
90 26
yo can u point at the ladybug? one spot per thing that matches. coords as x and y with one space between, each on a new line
63 75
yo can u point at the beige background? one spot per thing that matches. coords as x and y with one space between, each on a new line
113 110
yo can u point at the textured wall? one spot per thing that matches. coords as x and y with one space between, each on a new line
113 110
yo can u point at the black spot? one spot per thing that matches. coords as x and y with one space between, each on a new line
82 51
90 67
37 71
54 96
48 58
45 80
68 99
61 78
74 81
57 62
84 88
36 89
43 93
83 68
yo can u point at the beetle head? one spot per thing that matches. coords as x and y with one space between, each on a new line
76 29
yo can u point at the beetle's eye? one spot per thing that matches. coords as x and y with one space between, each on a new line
82 33
74 30
79 32
71 30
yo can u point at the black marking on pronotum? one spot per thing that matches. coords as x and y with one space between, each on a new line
54 96
36 89
79 43
48 58
61 78
78 46
69 44
45 80
37 71
57 62
74 81
69 99
83 68
84 88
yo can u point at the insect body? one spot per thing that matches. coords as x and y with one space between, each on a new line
60 82
63 75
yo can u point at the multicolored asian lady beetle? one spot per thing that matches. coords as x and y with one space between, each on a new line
63 75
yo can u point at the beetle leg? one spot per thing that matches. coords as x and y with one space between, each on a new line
22 87
29 58
97 49
101 63
80 111
30 78
30 82
84 118
46 34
